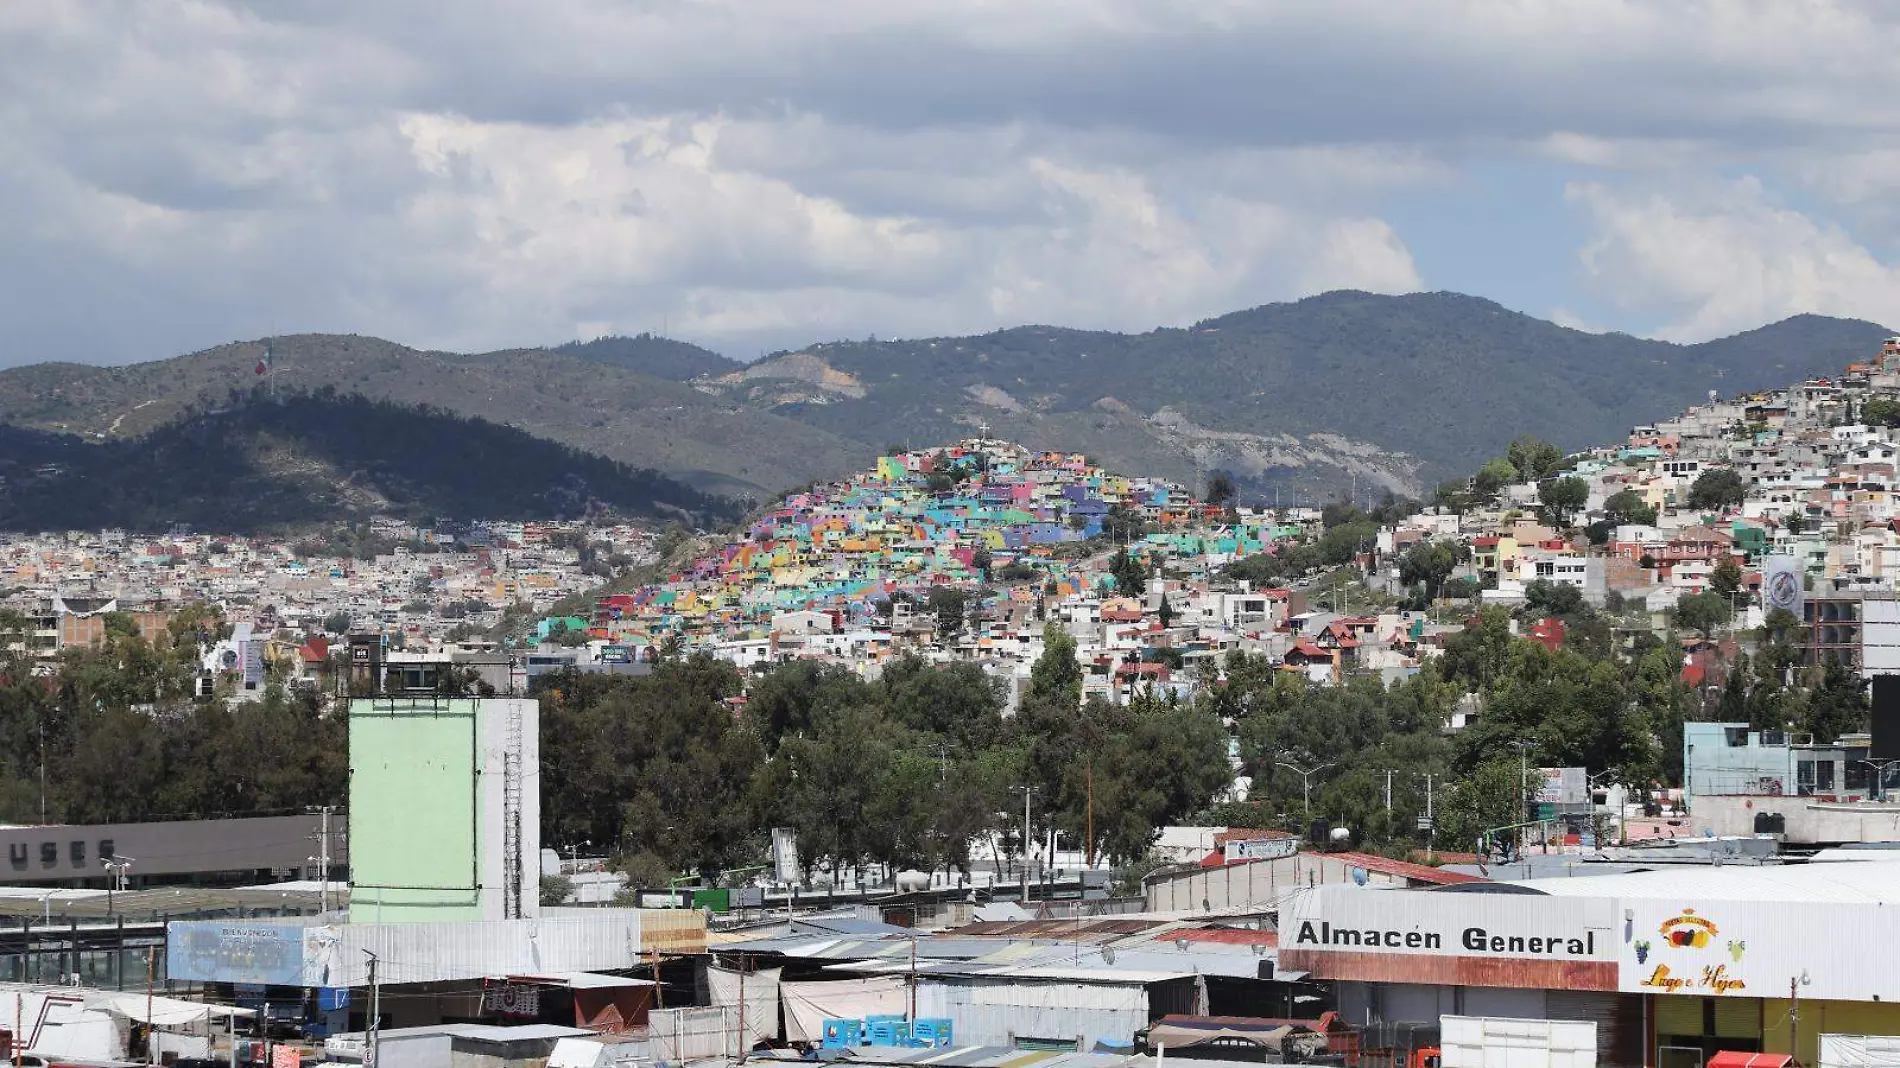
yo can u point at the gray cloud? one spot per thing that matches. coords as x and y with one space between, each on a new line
175 173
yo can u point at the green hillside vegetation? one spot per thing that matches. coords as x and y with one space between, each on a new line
661 357
260 464
1390 393
1445 377
625 415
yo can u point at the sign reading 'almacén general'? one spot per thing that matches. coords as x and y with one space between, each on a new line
1475 940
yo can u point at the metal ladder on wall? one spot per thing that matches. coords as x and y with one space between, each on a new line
511 772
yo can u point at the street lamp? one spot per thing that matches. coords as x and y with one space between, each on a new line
1880 775
1306 783
116 867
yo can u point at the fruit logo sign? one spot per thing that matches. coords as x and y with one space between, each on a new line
1690 957
1688 931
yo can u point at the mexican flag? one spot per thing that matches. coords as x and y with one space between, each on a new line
263 362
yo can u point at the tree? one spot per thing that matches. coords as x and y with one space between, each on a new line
1129 573
1220 488
1702 612
1543 597
1534 458
1628 506
1056 676
1490 796
1726 579
1496 474
981 561
948 605
1563 497
555 890
1836 705
1880 411
1121 524
1430 563
1733 704
1717 488
564 635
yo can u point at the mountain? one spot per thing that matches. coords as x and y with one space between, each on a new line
676 361
1343 389
588 403
310 459
1395 391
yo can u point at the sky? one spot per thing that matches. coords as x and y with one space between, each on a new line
760 174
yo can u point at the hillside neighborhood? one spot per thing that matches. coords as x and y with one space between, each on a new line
968 552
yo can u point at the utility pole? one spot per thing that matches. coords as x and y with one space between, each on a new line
1306 782
322 859
1025 872
744 1044
1431 822
1388 795
913 980
1523 785
375 1014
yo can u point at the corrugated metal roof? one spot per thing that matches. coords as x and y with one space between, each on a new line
1871 882
1421 873
1233 936
577 980
1059 930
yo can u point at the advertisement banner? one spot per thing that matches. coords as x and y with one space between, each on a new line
1782 584
265 954
1261 848
1562 786
784 855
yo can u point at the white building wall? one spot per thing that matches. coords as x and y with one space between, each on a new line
337 955
990 1013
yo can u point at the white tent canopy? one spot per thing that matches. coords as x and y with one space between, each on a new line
166 1012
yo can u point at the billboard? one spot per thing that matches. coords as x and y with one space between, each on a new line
1562 786
251 663
1261 848
1782 584
785 855
256 953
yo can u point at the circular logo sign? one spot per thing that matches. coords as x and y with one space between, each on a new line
1784 590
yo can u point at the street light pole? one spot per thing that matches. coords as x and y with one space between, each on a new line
1880 775
1306 782
1523 748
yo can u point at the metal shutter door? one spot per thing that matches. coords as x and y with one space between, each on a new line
1619 1020
1738 1018
1677 1014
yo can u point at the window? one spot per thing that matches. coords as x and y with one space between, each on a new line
1855 777
1736 736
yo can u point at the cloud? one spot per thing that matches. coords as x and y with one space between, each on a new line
1722 257
754 173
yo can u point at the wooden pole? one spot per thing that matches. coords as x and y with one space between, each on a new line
151 966
1089 780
